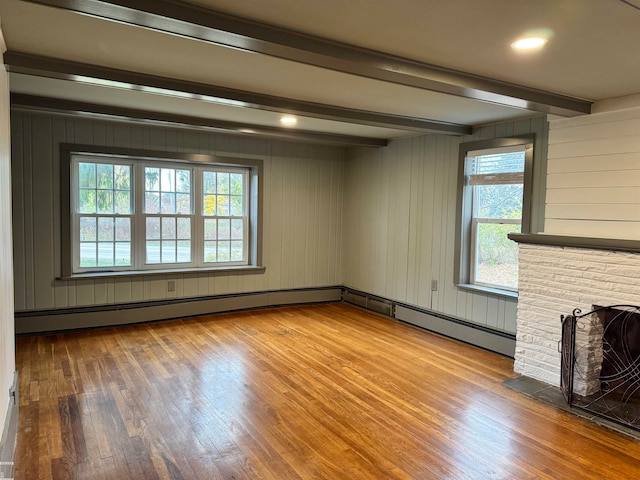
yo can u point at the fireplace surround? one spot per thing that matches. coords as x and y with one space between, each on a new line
558 274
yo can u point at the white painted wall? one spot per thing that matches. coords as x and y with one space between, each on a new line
594 175
303 190
400 221
7 342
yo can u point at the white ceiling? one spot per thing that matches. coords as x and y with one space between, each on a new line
593 54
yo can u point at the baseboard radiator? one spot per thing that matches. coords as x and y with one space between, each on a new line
493 340
42 321
9 433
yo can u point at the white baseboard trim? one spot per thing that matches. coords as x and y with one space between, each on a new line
9 433
124 314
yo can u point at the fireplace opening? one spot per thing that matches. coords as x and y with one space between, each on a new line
600 370
620 354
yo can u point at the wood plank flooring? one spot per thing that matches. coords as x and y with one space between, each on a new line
315 392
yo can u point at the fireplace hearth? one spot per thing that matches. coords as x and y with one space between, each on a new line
600 362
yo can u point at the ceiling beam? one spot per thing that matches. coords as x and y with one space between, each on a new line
34 102
234 32
29 64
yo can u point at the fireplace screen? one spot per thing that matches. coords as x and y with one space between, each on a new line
600 368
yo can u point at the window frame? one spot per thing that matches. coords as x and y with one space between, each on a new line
69 255
465 224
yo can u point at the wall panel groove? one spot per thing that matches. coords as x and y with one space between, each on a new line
399 220
302 184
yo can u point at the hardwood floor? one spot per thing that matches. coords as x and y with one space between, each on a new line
317 392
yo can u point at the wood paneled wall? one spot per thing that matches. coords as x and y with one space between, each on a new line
594 175
7 340
302 224
400 214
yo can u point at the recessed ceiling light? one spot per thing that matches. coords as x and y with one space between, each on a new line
529 43
288 121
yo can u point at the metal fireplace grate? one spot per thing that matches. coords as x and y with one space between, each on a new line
600 373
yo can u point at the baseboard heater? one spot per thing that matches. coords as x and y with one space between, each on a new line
493 340
76 318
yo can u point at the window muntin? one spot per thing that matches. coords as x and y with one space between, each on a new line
497 184
168 215
104 207
225 219
148 215
493 202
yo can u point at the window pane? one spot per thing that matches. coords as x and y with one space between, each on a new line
105 176
88 254
168 228
237 251
209 182
123 254
498 201
168 202
236 184
122 174
237 229
236 206
184 229
209 205
123 229
88 229
123 202
183 203
153 228
87 175
224 251
152 179
168 251
153 251
105 254
496 255
210 251
184 251
183 181
167 180
224 229
87 203
210 229
152 203
106 229
223 183
222 208
105 201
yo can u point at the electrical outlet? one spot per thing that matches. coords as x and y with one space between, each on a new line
434 285
171 286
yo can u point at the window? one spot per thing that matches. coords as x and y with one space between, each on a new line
493 202
139 213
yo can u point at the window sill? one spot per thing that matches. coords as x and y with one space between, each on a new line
244 269
488 290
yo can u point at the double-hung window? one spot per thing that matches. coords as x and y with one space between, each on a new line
493 202
130 213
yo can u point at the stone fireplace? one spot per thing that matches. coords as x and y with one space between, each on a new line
557 275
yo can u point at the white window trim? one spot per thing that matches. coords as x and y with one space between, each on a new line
465 228
251 168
